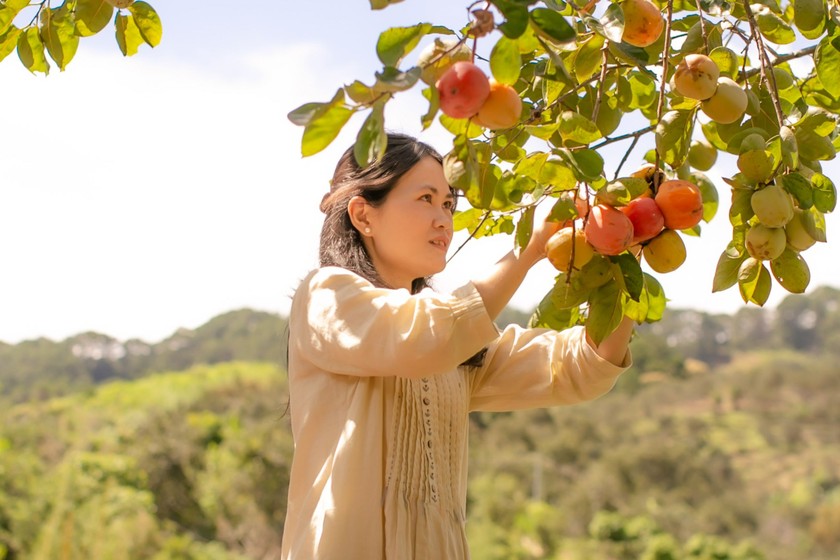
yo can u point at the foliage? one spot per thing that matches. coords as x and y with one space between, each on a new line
736 459
38 30
584 89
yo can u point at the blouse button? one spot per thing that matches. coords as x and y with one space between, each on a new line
426 401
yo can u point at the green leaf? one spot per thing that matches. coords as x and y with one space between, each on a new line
726 60
433 97
791 271
754 281
128 34
505 61
790 148
774 28
306 112
396 42
92 16
467 168
31 52
651 304
382 4
8 11
361 93
809 15
708 192
726 273
587 163
468 219
605 312
546 171
525 227
323 127
622 190
588 59
550 25
827 62
814 222
8 41
59 35
148 22
631 274
673 136
613 22
569 291
801 189
371 140
516 15
394 80
740 211
576 129
825 193
548 316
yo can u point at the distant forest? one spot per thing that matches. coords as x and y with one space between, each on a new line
721 442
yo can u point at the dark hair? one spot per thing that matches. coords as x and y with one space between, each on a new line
341 243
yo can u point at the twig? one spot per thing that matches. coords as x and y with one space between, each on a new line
602 78
782 58
472 235
626 155
768 78
702 26
614 139
666 55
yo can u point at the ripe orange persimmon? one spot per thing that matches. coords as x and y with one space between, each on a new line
696 76
643 22
608 230
681 203
646 217
501 109
462 89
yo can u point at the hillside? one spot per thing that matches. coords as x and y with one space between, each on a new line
741 463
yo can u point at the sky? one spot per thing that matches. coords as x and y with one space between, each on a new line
140 195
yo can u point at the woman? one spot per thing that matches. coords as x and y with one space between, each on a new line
383 371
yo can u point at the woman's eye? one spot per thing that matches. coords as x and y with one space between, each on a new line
426 198
449 205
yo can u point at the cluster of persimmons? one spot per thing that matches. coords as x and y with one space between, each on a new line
648 225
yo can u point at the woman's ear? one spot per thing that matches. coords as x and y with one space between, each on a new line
358 209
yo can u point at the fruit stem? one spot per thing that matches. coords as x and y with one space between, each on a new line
666 56
767 77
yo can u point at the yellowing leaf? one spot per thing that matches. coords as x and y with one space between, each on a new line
92 16
128 34
148 22
30 50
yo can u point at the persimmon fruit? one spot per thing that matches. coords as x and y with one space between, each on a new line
681 203
501 109
463 88
608 230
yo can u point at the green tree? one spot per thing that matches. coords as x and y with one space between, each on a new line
576 78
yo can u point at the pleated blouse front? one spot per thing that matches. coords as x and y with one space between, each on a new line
379 411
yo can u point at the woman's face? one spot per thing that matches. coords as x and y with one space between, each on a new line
411 231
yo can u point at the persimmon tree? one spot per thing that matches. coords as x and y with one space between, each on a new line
51 30
536 93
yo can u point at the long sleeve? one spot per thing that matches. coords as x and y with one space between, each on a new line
531 368
343 324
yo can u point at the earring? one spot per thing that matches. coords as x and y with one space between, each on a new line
367 230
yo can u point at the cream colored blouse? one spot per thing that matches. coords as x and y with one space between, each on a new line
379 411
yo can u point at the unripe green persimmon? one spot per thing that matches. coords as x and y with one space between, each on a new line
765 243
772 205
665 252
